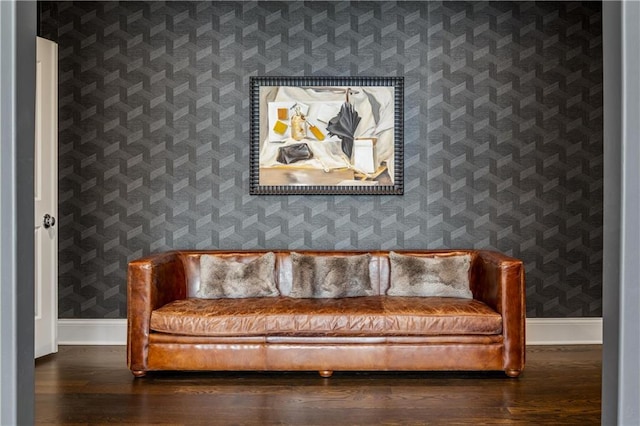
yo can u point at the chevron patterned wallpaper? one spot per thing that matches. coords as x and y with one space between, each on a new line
503 135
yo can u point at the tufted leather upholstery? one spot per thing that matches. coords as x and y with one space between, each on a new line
170 329
354 316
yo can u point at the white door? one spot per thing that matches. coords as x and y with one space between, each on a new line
46 198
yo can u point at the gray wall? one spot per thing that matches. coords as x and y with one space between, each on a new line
503 135
8 379
620 374
612 99
17 112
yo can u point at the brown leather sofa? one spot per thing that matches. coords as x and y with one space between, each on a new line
170 329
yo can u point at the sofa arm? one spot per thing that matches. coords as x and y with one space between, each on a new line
499 282
152 282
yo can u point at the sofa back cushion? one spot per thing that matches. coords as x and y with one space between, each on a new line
287 270
330 276
385 263
223 278
435 276
379 266
192 265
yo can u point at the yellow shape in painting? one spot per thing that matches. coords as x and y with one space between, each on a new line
280 127
317 133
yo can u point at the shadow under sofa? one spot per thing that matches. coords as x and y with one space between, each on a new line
169 328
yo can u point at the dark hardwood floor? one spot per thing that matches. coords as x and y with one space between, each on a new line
91 385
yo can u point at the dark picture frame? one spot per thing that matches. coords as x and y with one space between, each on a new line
326 135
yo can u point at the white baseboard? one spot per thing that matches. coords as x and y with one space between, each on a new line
564 331
540 331
92 332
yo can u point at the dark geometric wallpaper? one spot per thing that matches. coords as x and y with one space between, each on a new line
503 135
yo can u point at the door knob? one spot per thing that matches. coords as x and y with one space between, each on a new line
49 221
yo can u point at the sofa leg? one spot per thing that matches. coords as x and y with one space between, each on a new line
139 373
513 373
326 373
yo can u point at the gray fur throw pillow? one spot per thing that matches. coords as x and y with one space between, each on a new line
221 278
330 276
441 276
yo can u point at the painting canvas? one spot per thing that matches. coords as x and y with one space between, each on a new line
331 135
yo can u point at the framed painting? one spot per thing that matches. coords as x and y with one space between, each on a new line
326 135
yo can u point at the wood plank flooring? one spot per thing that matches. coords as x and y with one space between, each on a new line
91 385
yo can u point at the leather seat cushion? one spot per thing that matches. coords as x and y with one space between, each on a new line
357 316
